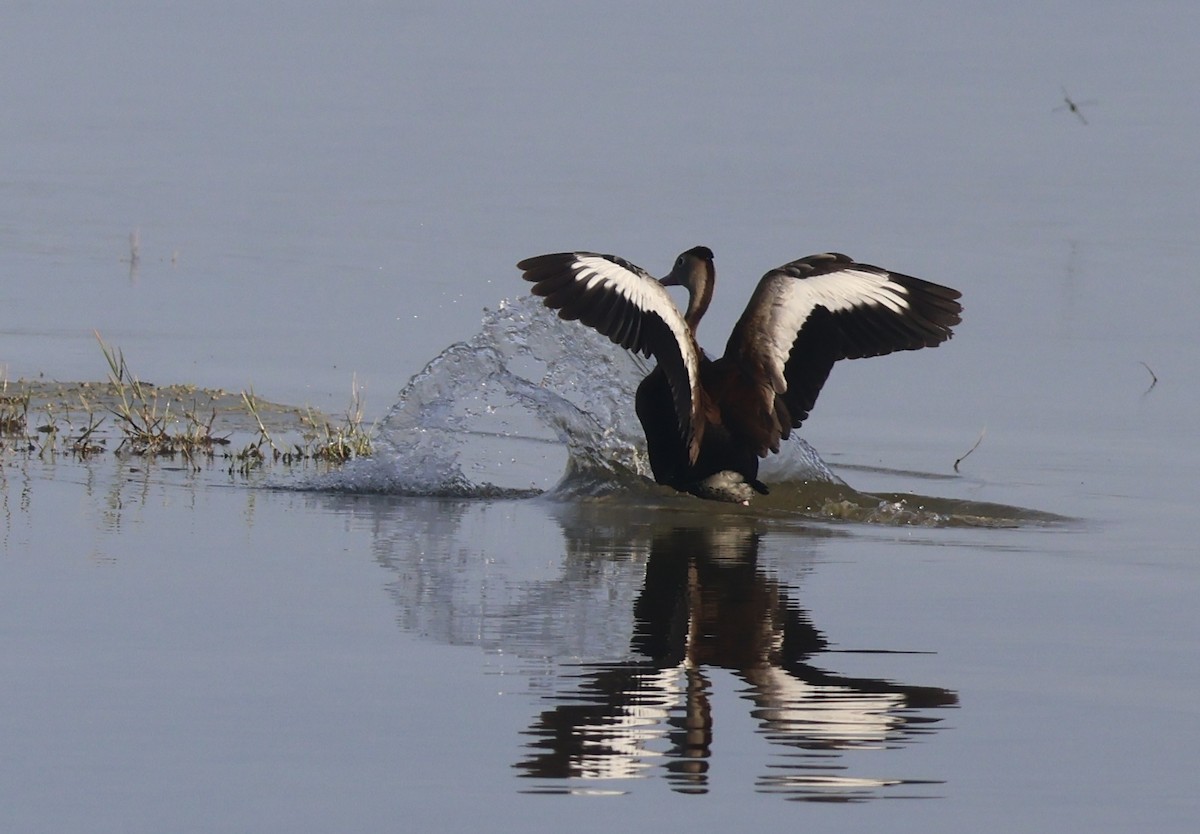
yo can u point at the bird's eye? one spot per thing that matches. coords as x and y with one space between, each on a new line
679 261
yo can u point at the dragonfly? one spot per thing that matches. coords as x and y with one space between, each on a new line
1073 106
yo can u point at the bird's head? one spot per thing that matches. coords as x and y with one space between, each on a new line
692 269
695 272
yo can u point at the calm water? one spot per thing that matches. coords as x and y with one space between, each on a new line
319 192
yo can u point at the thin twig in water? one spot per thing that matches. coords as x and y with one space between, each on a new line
264 436
972 449
135 255
1153 378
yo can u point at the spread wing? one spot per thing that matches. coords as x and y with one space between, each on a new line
806 315
626 304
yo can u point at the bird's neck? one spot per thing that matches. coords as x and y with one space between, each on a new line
699 299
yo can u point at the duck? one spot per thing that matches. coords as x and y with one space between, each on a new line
708 422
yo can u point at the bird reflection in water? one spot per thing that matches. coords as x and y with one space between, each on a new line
705 607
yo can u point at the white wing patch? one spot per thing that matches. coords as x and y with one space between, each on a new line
794 300
644 293
850 288
647 295
640 289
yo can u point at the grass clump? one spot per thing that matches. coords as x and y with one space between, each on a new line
320 438
14 412
173 422
145 421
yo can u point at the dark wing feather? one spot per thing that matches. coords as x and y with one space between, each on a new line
808 314
626 304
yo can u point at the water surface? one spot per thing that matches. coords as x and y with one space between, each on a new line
320 192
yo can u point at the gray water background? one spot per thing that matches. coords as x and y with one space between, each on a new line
320 191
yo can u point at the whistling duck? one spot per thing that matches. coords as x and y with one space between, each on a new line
707 422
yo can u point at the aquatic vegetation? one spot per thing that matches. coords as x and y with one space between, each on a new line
200 427
14 411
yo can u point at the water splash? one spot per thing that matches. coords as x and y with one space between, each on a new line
532 405
529 404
